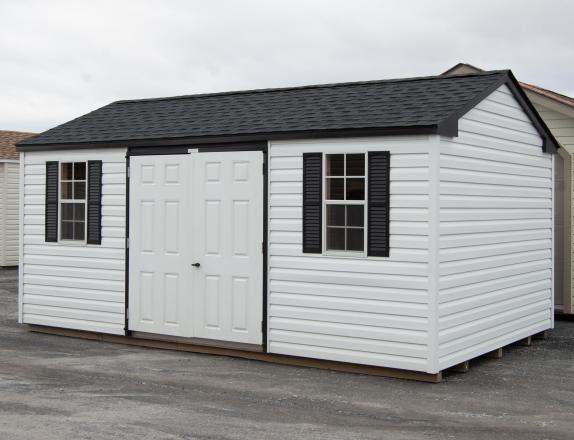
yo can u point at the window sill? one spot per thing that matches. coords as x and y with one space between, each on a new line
343 254
72 242
352 256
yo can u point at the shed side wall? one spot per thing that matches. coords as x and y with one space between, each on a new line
372 311
496 232
67 285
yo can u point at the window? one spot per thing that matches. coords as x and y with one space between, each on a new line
345 207
346 203
73 201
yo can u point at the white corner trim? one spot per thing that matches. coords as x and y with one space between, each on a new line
434 250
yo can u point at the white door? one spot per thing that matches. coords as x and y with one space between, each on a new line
196 235
160 290
228 228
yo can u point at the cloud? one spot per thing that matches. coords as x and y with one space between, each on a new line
61 59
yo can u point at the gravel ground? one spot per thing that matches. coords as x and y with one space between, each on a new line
53 387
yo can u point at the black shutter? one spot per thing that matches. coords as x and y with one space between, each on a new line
94 195
51 204
312 202
379 168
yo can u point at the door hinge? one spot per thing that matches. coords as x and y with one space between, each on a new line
127 242
263 326
263 247
128 172
263 168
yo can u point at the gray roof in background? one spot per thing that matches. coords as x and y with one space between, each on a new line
428 104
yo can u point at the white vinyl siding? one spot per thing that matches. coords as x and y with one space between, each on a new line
9 195
372 311
495 284
70 285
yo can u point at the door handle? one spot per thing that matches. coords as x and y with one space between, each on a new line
196 264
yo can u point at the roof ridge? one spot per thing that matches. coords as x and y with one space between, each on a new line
312 86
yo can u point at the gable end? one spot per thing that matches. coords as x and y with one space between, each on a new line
449 127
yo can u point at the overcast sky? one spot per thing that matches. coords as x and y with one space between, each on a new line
61 59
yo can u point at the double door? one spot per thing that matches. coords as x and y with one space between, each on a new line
195 245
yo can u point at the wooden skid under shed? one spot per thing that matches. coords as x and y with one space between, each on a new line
245 354
464 367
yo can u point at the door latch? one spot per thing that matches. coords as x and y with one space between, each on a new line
196 264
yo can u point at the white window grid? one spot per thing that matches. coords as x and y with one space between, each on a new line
327 202
65 201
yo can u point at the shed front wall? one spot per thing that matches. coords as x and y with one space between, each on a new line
9 207
496 226
372 311
67 285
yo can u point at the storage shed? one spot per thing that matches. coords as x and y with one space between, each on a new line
9 193
557 111
405 224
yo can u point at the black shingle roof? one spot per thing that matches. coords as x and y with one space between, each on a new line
425 105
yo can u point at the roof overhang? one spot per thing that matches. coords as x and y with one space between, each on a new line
443 129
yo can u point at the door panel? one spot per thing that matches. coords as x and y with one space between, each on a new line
228 286
204 208
160 288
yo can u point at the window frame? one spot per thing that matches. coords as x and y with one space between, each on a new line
69 241
325 203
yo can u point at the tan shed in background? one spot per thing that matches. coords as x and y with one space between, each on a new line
9 173
9 194
557 111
